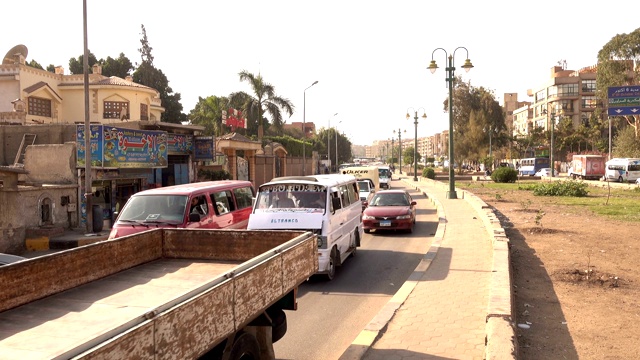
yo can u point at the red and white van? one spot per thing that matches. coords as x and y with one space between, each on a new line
206 205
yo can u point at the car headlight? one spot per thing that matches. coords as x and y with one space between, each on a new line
368 217
403 217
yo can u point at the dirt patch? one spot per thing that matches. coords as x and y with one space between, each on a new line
575 278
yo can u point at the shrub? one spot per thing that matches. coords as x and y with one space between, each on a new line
210 175
429 173
504 175
561 188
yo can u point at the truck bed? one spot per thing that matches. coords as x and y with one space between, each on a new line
195 292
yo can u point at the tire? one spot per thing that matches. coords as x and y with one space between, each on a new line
279 324
245 347
357 235
333 263
620 180
367 231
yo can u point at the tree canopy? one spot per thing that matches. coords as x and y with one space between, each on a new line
147 74
264 99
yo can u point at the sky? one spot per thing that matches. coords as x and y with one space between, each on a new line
370 57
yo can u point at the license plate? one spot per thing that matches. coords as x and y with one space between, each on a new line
385 223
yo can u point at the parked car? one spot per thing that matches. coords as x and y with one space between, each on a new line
544 172
390 210
6 259
223 204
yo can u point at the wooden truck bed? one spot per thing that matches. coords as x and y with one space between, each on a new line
174 293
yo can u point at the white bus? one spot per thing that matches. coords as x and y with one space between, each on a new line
622 169
327 205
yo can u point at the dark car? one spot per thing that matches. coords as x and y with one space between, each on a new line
390 210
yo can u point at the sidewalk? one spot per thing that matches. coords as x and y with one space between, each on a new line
457 303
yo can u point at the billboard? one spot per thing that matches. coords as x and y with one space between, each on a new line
113 147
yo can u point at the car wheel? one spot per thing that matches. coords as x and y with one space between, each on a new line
366 231
333 262
620 179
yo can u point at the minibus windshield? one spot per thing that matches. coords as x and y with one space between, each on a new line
154 208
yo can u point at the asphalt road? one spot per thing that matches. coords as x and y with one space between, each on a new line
332 313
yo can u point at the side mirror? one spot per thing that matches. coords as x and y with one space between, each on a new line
365 203
414 203
194 217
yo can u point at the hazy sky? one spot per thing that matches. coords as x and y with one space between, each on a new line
369 57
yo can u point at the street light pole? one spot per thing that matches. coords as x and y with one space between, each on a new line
336 131
400 149
304 130
552 122
415 139
393 139
451 194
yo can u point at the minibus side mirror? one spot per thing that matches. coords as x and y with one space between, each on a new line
194 217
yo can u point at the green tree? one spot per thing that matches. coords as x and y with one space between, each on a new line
616 68
487 114
208 113
626 144
264 99
147 74
34 64
120 67
407 155
76 66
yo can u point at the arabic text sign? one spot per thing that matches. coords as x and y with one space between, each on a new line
123 148
623 100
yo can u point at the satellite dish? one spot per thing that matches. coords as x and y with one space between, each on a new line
10 57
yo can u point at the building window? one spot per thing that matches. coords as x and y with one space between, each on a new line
116 110
589 102
144 112
588 86
540 95
566 105
39 107
568 90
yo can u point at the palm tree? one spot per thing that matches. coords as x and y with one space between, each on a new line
264 98
208 113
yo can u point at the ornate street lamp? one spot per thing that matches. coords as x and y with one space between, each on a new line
415 139
552 123
304 127
400 149
451 194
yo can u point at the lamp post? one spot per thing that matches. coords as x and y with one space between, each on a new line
393 139
304 130
451 194
329 142
552 122
415 139
399 149
336 131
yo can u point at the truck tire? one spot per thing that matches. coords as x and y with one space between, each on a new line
245 347
278 324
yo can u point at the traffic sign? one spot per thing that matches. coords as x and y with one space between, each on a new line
623 100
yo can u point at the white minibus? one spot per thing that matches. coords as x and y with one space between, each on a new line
622 169
327 205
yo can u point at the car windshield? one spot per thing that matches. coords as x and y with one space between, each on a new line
169 208
389 199
292 196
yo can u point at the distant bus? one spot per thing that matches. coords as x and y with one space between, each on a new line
530 166
622 169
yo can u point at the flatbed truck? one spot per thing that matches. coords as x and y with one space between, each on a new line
159 294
